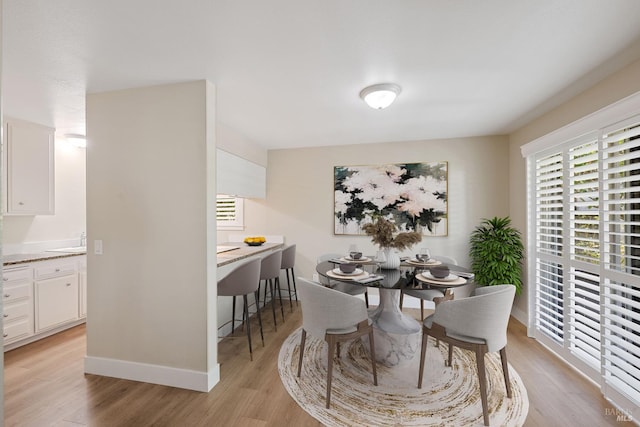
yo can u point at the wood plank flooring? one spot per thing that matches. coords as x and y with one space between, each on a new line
45 386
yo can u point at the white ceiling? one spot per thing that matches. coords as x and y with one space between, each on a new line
288 72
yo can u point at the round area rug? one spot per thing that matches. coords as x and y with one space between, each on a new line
449 396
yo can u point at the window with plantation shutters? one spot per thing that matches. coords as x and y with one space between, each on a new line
229 213
584 260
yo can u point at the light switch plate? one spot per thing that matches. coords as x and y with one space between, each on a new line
97 247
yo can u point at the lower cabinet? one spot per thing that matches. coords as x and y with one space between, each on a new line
17 298
42 298
56 301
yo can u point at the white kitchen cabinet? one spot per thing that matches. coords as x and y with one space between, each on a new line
56 293
17 296
28 159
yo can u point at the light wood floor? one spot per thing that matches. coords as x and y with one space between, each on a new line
45 386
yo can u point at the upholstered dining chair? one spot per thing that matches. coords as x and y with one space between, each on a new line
477 323
345 288
243 280
334 317
270 274
287 264
426 294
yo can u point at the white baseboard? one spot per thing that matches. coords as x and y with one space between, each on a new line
154 374
520 316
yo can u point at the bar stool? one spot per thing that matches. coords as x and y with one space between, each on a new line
288 262
270 274
243 280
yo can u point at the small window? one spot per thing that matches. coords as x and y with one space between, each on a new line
229 213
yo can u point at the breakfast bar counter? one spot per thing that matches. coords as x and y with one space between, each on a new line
237 251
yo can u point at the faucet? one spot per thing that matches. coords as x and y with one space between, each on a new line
83 239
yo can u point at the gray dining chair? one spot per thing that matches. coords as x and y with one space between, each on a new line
287 264
426 294
346 288
270 275
334 317
243 280
477 323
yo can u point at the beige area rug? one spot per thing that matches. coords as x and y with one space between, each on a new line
449 396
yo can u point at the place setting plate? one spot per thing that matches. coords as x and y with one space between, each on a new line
451 279
358 273
430 262
349 259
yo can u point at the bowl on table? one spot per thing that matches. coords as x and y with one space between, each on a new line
347 268
355 255
439 271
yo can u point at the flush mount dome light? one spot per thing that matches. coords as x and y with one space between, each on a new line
381 95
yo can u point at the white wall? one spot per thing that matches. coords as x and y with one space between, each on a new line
299 202
22 232
151 200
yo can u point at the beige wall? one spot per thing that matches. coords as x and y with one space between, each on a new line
614 88
299 200
151 200
70 204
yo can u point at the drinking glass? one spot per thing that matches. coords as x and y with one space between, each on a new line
425 253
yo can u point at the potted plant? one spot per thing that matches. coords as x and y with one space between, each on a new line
496 253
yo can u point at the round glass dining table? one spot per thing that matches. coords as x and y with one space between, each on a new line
397 336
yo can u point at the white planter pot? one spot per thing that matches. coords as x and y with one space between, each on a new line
392 259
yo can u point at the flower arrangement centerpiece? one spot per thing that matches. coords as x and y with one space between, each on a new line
384 234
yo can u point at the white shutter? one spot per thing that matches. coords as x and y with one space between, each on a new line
229 213
621 311
585 272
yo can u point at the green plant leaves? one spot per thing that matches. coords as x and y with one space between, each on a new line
496 252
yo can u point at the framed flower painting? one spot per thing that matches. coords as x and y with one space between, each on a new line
411 195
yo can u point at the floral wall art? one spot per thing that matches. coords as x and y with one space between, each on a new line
412 195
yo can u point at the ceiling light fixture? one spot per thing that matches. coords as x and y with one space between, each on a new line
76 140
381 95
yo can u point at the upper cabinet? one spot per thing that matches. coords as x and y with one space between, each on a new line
28 160
239 177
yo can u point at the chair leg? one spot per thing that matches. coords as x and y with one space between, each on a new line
273 301
277 285
373 357
331 353
423 351
289 289
366 298
233 314
295 289
450 355
482 377
421 309
303 338
401 299
257 295
246 310
505 370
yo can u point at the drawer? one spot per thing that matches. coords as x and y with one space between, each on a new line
12 293
17 330
16 310
16 275
55 270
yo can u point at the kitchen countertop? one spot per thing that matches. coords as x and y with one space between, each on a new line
244 251
9 260
223 258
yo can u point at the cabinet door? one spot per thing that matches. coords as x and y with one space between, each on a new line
30 168
56 301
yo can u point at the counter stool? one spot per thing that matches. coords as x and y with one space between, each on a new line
288 262
243 280
270 274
